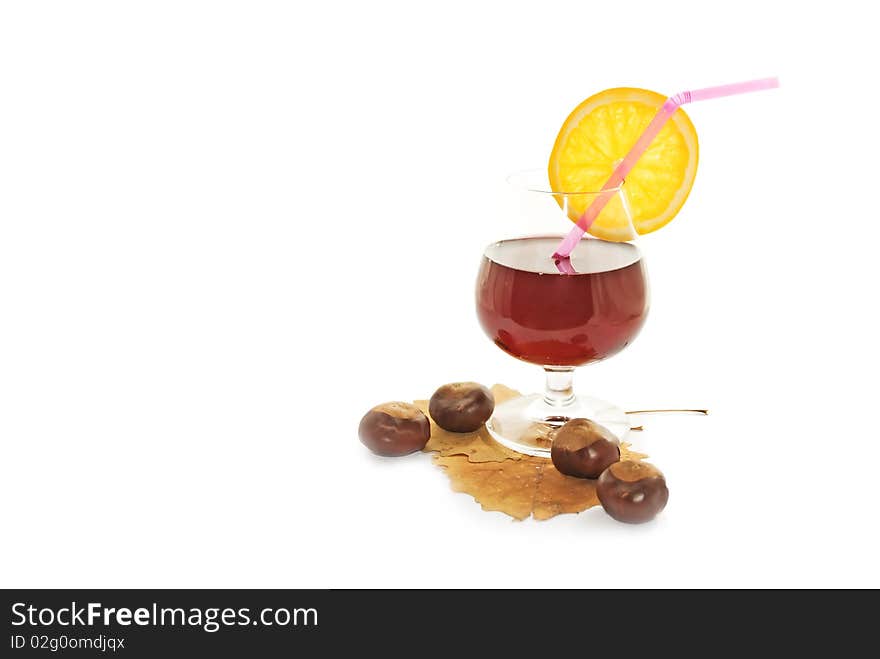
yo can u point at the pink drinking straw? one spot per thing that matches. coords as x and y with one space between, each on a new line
616 179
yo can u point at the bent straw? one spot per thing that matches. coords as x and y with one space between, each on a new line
663 114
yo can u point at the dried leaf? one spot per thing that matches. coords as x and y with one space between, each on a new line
508 486
505 481
557 493
519 488
626 453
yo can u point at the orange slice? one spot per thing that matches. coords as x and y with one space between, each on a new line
596 137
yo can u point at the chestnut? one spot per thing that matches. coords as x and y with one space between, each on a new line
394 429
583 448
632 492
461 406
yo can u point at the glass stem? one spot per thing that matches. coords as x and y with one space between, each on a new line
558 391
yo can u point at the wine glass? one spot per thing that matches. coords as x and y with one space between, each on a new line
561 313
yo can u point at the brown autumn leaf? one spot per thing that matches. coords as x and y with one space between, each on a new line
506 481
626 453
508 486
557 493
528 486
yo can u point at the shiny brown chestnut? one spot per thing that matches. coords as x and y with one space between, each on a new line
632 492
394 429
583 448
461 406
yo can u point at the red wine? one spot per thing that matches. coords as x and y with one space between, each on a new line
537 314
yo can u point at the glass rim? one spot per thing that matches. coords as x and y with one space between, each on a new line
535 180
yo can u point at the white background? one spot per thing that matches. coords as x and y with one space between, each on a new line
227 229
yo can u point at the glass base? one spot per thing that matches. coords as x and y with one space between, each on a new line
525 424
